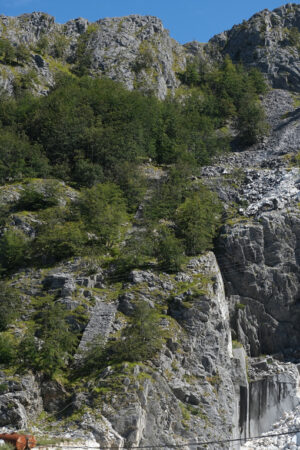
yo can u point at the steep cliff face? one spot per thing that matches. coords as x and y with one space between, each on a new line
135 50
258 254
198 388
259 249
201 386
269 41
188 390
138 51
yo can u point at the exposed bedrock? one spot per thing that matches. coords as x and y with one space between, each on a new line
260 262
266 41
269 398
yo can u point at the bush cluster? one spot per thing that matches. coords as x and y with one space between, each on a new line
13 54
230 92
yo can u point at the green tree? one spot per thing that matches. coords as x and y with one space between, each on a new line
103 211
7 349
138 249
251 121
10 305
168 194
198 219
142 338
7 51
19 158
57 241
85 172
13 249
169 250
191 76
22 54
51 347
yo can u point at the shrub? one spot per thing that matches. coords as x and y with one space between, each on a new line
7 348
57 241
294 36
83 53
7 51
169 250
51 350
13 249
251 121
191 75
142 338
138 248
94 356
33 200
197 220
22 54
140 341
145 59
10 305
60 46
42 45
103 210
7 446
4 213
24 82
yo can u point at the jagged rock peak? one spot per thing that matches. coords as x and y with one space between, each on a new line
136 20
135 50
269 40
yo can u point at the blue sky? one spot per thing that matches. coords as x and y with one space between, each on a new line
186 19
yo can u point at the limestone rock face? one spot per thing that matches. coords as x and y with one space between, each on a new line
135 50
258 255
138 51
172 398
259 250
269 41
20 401
261 265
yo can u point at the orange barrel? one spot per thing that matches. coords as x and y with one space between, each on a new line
19 441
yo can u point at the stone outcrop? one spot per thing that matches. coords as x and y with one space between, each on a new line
20 400
135 50
200 383
138 51
259 250
269 41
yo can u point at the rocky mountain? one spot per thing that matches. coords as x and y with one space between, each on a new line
269 40
228 366
135 50
138 51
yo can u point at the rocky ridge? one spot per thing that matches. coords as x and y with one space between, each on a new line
269 40
135 50
138 51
